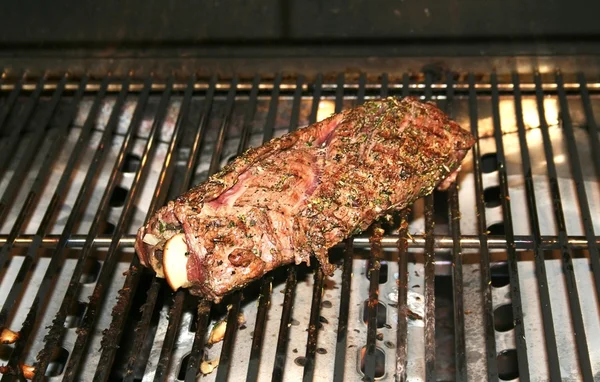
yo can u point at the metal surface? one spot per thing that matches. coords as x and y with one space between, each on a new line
495 278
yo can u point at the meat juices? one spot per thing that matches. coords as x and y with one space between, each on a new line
300 194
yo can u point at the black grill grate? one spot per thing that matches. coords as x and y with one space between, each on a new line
141 332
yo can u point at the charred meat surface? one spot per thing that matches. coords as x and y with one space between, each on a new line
296 196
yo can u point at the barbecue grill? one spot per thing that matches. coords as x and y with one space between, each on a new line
496 278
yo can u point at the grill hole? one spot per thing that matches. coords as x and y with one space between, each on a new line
383 273
508 365
489 163
503 318
491 197
58 360
499 275
75 314
381 313
496 229
379 361
117 199
109 228
131 163
91 269
183 367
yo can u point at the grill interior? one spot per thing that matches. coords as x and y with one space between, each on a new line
497 277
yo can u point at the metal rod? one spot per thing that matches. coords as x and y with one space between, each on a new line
137 86
164 358
402 329
10 102
264 301
125 299
486 287
429 319
540 265
272 114
402 244
57 258
284 325
17 287
20 171
385 85
249 117
513 270
290 284
595 149
313 326
9 146
98 296
342 330
373 304
576 312
197 352
236 298
214 167
266 284
388 241
460 357
315 308
74 285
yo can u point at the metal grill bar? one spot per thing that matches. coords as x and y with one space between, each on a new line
198 345
9 147
430 348
51 271
579 184
10 102
513 271
16 289
527 87
577 316
540 261
266 284
135 123
17 179
30 257
313 325
132 280
402 283
97 297
522 242
342 330
457 268
373 303
177 307
277 95
204 308
486 279
373 270
592 129
32 148
290 284
234 309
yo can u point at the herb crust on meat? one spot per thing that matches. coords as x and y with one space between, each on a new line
298 195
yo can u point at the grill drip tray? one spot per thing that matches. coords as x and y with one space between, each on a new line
296 323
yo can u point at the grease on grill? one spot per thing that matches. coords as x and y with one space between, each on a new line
300 361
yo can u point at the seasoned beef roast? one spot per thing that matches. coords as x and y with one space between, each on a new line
298 195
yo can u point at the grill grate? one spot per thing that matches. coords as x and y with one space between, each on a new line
68 147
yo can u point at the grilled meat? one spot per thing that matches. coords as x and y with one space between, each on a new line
298 195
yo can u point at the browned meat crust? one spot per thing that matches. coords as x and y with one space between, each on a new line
298 195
